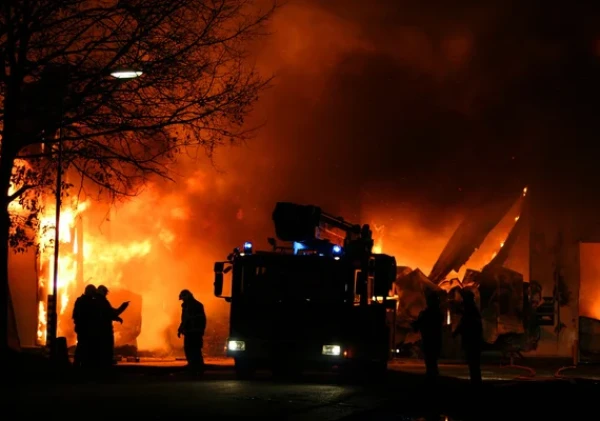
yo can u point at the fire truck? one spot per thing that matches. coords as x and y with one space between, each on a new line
319 298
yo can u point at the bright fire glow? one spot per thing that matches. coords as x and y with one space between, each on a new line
103 262
378 238
416 247
589 292
141 248
67 262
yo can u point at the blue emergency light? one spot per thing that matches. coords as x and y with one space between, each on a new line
298 246
247 247
337 251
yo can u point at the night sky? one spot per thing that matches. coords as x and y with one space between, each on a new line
393 104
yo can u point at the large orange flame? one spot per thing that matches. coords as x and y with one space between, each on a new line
67 261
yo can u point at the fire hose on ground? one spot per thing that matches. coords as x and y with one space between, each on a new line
558 374
531 374
534 377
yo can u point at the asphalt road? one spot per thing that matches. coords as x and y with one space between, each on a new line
178 394
170 393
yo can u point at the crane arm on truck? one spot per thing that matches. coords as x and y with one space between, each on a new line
299 223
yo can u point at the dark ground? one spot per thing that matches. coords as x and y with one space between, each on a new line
146 392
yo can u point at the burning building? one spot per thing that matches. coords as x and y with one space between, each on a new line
536 281
335 78
143 250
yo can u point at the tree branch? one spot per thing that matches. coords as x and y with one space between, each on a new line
19 192
196 89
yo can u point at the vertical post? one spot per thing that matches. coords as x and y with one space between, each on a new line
363 282
79 234
53 317
577 311
557 296
51 323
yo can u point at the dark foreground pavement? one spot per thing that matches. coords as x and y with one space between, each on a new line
150 392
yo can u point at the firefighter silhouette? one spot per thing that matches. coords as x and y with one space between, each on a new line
470 328
193 324
429 324
83 318
106 314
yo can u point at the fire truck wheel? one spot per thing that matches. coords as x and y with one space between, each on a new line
244 369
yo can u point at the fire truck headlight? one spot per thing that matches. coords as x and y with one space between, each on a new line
236 345
332 350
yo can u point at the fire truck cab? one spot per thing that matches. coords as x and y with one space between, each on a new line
315 302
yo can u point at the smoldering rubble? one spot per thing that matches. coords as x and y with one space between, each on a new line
507 303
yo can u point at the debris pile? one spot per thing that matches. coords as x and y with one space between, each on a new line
500 293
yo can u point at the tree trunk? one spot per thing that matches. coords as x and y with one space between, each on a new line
4 307
6 164
10 147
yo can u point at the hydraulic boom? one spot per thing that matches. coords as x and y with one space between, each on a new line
301 223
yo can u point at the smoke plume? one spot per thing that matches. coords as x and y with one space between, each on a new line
387 113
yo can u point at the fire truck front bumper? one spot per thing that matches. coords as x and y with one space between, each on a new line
264 352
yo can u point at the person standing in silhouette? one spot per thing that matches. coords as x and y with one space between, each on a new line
83 318
106 315
429 324
470 328
193 324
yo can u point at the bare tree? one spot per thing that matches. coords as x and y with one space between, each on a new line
196 87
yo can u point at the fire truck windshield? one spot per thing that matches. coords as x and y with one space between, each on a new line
294 278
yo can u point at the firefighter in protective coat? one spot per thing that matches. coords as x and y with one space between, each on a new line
193 324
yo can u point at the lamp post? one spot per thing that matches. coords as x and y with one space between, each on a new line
52 321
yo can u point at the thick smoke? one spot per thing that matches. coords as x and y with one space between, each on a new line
351 105
366 109
383 112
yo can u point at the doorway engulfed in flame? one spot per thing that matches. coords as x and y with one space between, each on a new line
145 249
69 262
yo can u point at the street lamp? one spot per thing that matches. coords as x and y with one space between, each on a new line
52 322
126 73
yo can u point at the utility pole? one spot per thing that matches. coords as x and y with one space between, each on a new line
79 239
53 299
